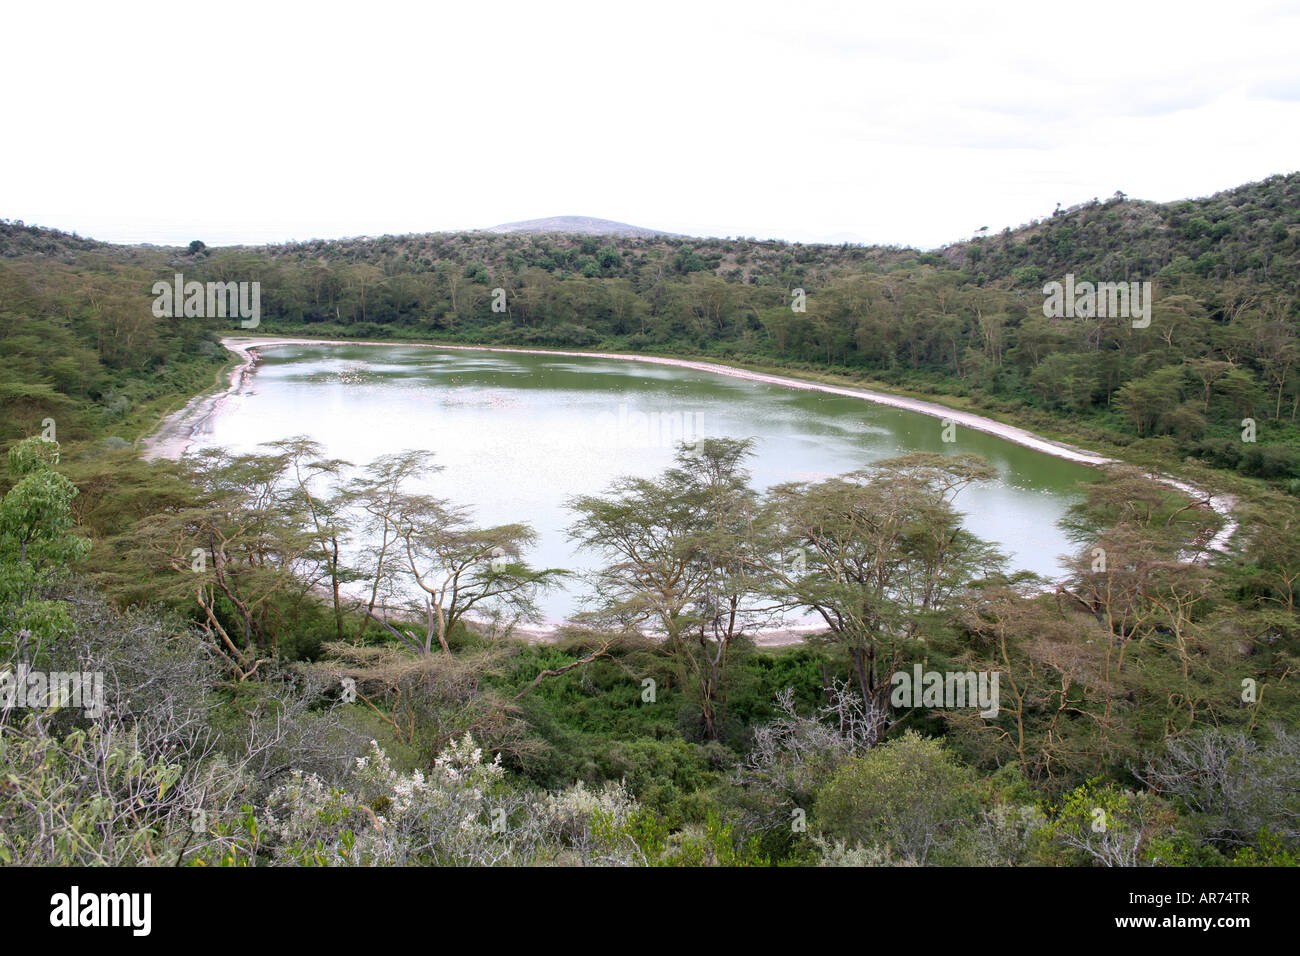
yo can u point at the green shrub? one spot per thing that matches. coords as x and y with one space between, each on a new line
910 794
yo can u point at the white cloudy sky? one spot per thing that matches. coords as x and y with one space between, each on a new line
913 123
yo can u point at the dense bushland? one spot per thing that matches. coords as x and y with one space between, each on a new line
275 692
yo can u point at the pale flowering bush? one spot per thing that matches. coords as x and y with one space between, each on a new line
1006 834
306 823
838 853
578 826
462 813
568 811
463 762
458 814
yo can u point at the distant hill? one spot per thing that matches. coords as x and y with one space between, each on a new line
1249 233
18 240
577 225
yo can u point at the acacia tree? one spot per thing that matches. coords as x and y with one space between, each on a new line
1055 699
680 558
1139 590
1137 573
873 551
323 509
442 567
375 494
238 551
730 601
1139 578
1277 350
1273 546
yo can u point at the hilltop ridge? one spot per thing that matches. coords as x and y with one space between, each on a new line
576 225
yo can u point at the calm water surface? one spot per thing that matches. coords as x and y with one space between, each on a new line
517 435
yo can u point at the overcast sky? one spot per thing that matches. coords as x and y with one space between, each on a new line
911 123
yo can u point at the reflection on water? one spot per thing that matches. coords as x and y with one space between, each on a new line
518 435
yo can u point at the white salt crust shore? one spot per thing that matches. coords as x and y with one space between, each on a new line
177 431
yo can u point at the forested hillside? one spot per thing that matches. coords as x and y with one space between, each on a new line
264 706
966 320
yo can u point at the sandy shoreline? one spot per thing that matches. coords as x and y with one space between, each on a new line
174 435
177 431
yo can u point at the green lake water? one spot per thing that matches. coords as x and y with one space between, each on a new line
518 434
